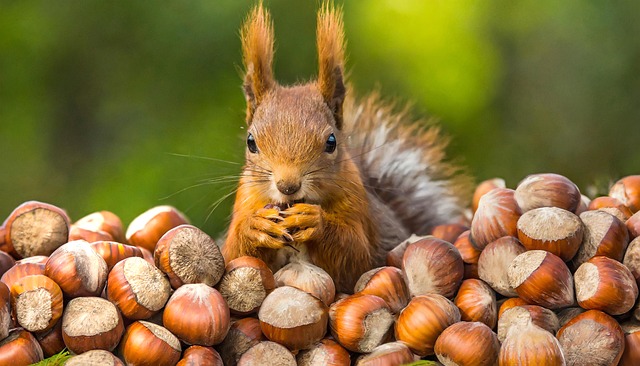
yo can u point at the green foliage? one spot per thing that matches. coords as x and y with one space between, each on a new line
55 360
126 105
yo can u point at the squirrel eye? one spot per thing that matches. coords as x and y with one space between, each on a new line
331 144
251 144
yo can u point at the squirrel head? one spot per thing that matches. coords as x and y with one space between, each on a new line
294 139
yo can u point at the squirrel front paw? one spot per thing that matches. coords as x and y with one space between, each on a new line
303 221
266 230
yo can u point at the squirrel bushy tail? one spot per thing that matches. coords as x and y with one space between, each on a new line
402 162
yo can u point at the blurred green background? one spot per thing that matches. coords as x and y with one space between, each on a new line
124 105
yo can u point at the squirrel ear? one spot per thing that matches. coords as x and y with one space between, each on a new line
330 40
257 51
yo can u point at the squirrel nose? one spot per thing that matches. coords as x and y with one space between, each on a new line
288 188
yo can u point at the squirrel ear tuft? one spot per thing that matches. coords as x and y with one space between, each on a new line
257 51
330 40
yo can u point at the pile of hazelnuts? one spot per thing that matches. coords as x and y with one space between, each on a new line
539 274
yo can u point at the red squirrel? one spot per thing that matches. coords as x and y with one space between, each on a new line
327 179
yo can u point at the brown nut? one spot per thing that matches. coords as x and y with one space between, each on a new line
188 255
395 255
432 265
423 320
5 310
307 277
197 314
605 284
612 206
360 322
6 262
631 354
552 229
510 303
245 284
547 190
531 345
627 190
36 302
604 235
77 269
91 323
95 357
147 228
520 317
494 262
36 228
267 353
137 288
103 221
632 258
324 353
633 224
497 216
477 302
15 273
392 353
485 187
149 344
469 253
52 342
20 348
386 283
293 318
243 334
467 343
113 252
592 338
198 355
542 278
448 232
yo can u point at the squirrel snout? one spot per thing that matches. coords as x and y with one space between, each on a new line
288 187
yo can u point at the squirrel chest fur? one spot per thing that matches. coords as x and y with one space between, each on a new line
329 180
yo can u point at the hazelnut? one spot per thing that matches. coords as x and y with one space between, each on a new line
583 205
547 190
633 224
243 334
147 228
307 277
324 353
448 232
6 262
198 355
293 318
605 284
530 345
36 302
432 265
632 258
497 216
197 314
627 190
631 354
468 252
567 314
394 256
592 338
105 222
149 344
494 262
36 228
96 357
485 187
77 233
113 252
360 322
15 273
77 269
510 303
5 310
477 302
188 255
386 283
392 353
137 288
423 320
519 317
51 341
467 343
20 348
542 278
267 353
612 206
91 323
245 284
552 229
604 235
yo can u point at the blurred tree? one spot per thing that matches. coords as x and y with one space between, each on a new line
126 105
